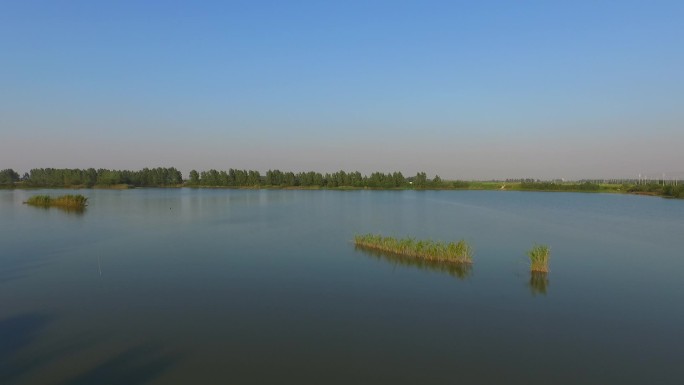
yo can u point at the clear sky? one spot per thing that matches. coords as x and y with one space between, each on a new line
477 89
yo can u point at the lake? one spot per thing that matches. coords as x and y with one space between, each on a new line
214 286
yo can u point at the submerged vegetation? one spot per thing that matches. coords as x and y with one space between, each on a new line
457 252
539 258
75 202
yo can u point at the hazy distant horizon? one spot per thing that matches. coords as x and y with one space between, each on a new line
491 90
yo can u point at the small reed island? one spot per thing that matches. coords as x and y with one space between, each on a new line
73 202
539 258
456 252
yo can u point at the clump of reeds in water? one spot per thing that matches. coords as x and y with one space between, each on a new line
75 202
457 252
539 258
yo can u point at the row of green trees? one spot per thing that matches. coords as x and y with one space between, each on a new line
251 178
163 176
64 177
160 176
8 177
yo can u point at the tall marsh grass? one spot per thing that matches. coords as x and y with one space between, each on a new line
76 202
539 258
457 252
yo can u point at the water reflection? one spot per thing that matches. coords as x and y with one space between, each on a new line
69 210
458 270
539 283
16 333
136 365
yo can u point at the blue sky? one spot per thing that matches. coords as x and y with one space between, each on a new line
461 89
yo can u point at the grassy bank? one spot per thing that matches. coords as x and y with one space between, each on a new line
457 252
76 202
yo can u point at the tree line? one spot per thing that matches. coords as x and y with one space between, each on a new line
171 177
9 177
278 178
67 177
161 177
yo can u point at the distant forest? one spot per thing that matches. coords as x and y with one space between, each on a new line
65 177
171 177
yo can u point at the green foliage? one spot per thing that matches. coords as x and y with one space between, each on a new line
52 177
277 178
674 191
437 182
670 191
553 186
64 201
194 178
458 252
8 177
539 258
654 188
171 177
460 184
231 178
420 180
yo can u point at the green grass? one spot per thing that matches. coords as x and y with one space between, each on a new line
78 202
539 258
457 252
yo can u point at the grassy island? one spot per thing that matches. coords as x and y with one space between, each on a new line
456 252
539 258
75 202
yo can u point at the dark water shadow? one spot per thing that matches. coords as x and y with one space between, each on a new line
139 364
539 283
457 270
20 270
16 333
136 365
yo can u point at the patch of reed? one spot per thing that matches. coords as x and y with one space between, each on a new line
457 252
539 258
64 201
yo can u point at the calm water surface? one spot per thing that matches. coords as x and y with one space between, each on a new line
183 286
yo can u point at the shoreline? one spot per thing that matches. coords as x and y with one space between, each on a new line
340 188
